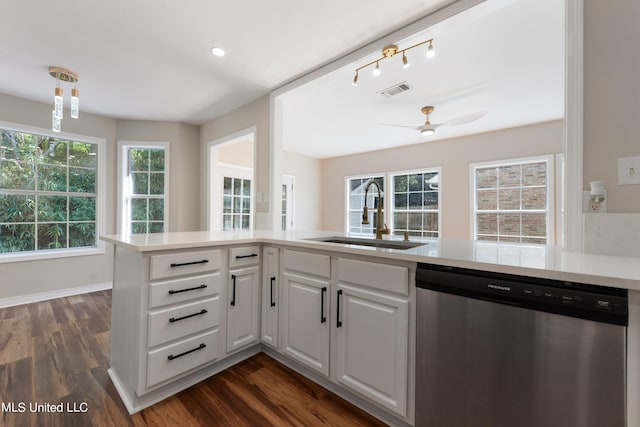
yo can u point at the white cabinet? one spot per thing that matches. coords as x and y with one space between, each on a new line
182 304
270 303
372 330
305 307
167 314
361 337
243 294
181 315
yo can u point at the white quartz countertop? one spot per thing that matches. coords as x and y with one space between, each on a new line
528 260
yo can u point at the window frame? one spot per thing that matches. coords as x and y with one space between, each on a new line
237 172
437 170
549 159
347 192
99 248
389 196
123 221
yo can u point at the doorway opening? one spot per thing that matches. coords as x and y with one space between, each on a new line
232 182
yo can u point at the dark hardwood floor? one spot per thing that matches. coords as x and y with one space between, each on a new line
56 353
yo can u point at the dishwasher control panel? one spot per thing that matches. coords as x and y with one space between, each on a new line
573 299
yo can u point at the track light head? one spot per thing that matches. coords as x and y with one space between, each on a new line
376 71
405 62
431 52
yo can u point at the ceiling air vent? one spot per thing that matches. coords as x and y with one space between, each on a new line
395 89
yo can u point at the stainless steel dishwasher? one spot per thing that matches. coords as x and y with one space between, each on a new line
499 350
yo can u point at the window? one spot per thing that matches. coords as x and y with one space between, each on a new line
236 209
416 203
356 186
511 201
413 204
48 193
144 188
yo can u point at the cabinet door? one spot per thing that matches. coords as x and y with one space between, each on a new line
304 317
270 282
372 344
243 307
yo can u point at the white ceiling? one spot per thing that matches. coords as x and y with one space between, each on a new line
505 57
150 59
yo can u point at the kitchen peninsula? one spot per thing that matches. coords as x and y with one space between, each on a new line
188 305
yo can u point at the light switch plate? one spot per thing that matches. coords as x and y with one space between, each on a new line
628 170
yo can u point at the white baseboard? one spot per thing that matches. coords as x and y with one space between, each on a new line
59 293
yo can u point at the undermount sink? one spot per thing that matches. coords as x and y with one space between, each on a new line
387 244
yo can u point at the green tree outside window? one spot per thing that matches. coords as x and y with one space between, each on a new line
47 192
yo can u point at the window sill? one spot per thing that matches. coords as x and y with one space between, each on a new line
50 254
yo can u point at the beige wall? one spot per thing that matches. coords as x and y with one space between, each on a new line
255 114
30 277
184 172
237 153
307 189
611 96
453 156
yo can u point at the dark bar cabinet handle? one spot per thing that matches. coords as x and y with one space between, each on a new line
200 347
246 256
323 318
182 264
273 303
338 321
171 291
175 319
233 294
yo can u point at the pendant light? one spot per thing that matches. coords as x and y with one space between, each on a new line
75 103
62 74
58 108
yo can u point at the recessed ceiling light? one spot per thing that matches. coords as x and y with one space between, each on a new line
217 51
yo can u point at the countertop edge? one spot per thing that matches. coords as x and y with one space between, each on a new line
568 266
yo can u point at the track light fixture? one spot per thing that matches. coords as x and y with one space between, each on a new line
392 50
58 107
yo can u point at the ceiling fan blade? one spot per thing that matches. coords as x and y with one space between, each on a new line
465 119
403 126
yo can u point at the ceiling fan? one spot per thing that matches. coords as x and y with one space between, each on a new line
429 128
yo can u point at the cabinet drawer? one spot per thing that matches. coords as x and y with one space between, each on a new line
178 358
177 322
244 256
181 290
306 262
385 277
184 263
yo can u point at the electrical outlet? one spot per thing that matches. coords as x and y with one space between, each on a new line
589 206
594 206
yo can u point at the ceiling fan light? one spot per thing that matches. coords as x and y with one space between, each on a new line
427 131
218 51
